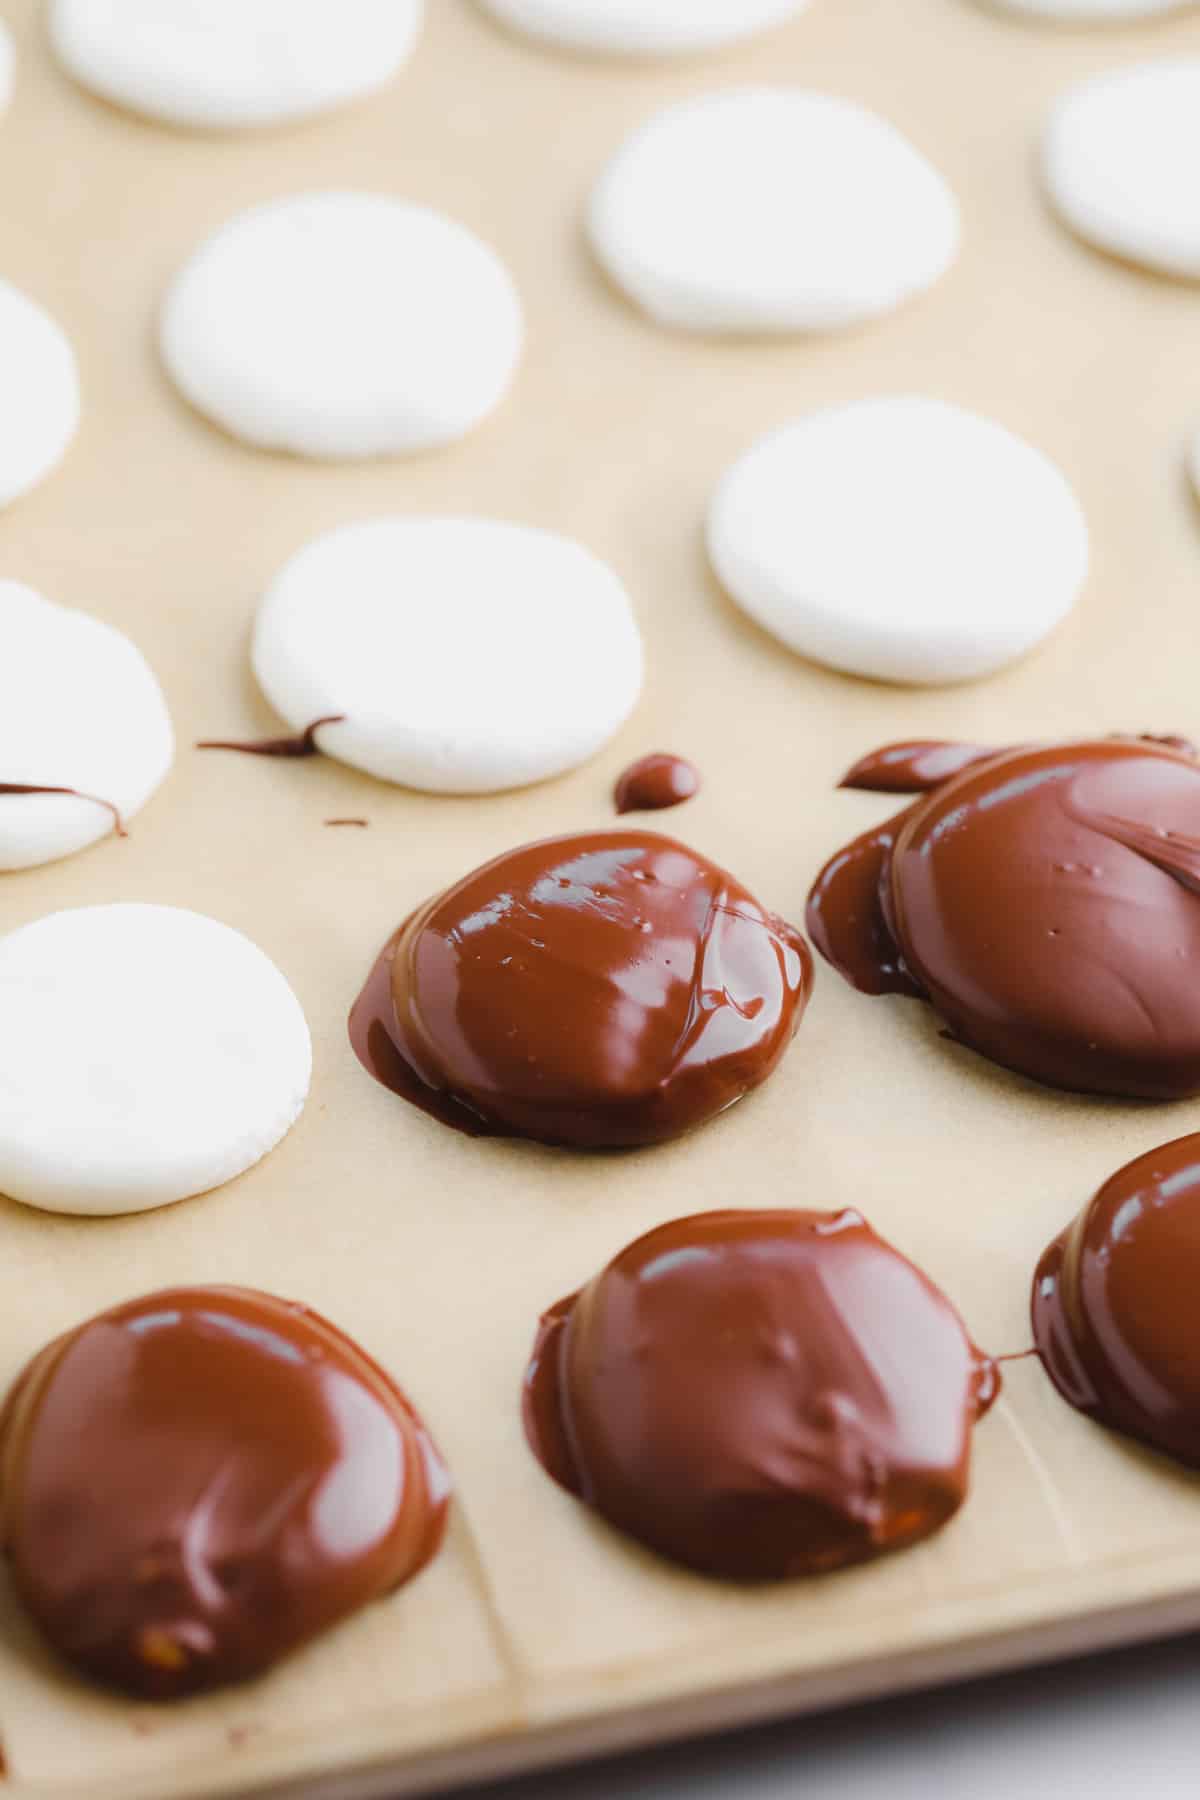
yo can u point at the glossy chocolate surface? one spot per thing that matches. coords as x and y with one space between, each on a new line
600 991
303 744
16 787
760 1394
655 783
1046 902
196 1483
1115 1303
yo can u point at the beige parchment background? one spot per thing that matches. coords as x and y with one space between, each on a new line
439 1252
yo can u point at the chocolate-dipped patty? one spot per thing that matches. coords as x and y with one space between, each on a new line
194 1484
656 782
760 1394
600 991
1045 901
1114 1303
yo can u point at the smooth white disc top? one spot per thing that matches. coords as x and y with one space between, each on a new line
79 708
642 27
146 1054
343 325
901 539
39 394
1122 162
771 210
226 63
467 655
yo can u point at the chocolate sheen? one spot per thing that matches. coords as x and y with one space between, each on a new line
600 991
656 783
760 1394
1045 901
196 1483
1114 1303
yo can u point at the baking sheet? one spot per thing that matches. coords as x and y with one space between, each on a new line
436 1251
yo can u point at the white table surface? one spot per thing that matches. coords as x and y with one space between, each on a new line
1120 1727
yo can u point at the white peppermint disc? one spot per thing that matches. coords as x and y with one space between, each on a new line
642 27
467 655
901 539
1092 12
227 63
79 708
1122 163
39 394
771 210
8 65
343 325
146 1054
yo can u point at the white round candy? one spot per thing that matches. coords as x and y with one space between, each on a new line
146 1054
215 63
39 394
343 325
79 708
467 656
643 27
771 210
901 539
8 65
1122 161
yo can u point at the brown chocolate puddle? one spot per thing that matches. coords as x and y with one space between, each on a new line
760 1395
1114 1303
14 787
304 744
1023 896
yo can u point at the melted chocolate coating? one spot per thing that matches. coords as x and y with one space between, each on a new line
600 991
1045 901
16 787
196 1483
760 1394
655 783
1114 1303
304 744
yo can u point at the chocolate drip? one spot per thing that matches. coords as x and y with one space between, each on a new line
601 991
303 745
1114 1303
912 768
13 787
196 1483
760 1394
656 783
1044 900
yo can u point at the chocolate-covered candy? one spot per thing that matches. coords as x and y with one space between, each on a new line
194 1484
760 1394
601 991
656 782
1046 902
1114 1303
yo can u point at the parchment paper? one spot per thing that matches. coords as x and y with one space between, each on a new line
439 1252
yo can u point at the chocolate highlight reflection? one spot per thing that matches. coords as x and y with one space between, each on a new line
196 1483
760 1395
600 991
1045 901
1114 1303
